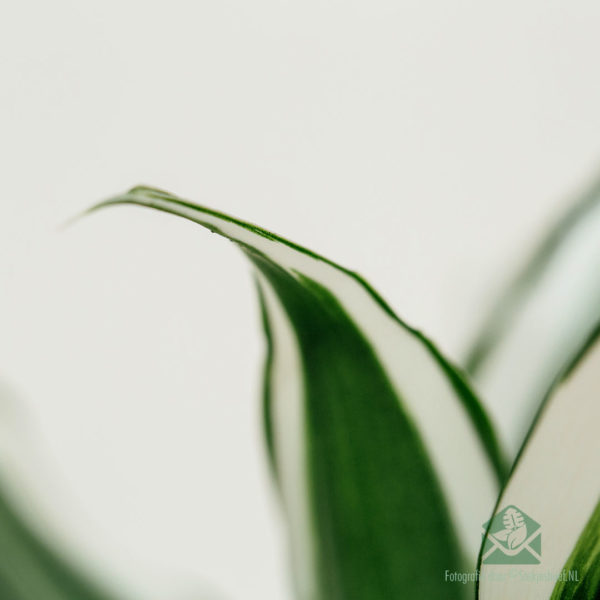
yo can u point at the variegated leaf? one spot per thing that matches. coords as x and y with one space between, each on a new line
385 460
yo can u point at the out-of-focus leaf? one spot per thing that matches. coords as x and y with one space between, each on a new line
30 569
540 322
556 481
385 460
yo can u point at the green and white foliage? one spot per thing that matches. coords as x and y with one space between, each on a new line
557 479
384 459
540 322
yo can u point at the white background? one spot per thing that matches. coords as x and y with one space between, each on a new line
424 144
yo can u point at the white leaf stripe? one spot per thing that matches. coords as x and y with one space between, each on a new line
541 320
555 479
286 422
434 394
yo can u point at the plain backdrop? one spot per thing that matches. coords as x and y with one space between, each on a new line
425 144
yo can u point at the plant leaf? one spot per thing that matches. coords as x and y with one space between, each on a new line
581 579
541 321
33 566
555 481
30 569
377 442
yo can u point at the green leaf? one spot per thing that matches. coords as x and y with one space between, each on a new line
540 321
385 461
556 482
584 564
31 569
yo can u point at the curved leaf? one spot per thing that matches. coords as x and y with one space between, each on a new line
540 321
385 461
556 481
30 569
581 580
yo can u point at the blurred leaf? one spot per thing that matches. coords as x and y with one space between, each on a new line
541 321
30 569
385 461
556 481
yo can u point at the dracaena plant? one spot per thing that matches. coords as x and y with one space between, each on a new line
385 461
